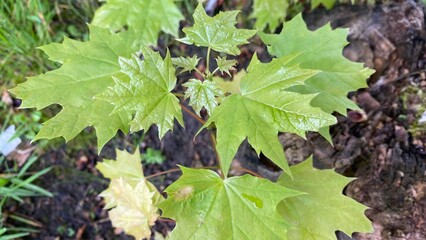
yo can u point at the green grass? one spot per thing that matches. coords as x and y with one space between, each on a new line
24 26
28 24
17 183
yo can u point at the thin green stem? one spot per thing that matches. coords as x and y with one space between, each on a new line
199 72
217 69
213 139
208 60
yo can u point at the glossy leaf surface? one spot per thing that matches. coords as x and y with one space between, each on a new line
202 94
263 109
87 70
218 33
186 63
146 92
206 206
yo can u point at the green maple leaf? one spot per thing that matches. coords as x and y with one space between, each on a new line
146 17
230 86
146 92
204 205
269 13
326 3
324 209
218 33
202 94
338 75
187 64
87 70
225 65
127 166
263 109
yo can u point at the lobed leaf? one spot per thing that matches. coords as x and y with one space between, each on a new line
146 17
338 75
132 200
269 13
206 206
225 65
318 214
263 109
202 94
187 64
146 92
218 33
87 69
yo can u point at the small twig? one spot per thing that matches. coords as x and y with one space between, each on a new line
176 170
250 172
179 95
409 75
192 114
163 173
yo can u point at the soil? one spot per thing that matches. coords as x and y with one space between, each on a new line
374 144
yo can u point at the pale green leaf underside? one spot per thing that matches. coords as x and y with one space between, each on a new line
146 17
269 13
146 92
87 70
218 33
207 207
202 94
127 166
186 63
130 198
263 109
338 75
324 209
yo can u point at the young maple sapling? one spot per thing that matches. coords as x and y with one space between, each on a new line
104 83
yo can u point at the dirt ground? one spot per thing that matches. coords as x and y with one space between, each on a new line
376 145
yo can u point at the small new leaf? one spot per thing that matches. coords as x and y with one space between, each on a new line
206 206
187 64
202 94
332 210
146 92
218 33
146 17
263 109
269 13
225 65
130 197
